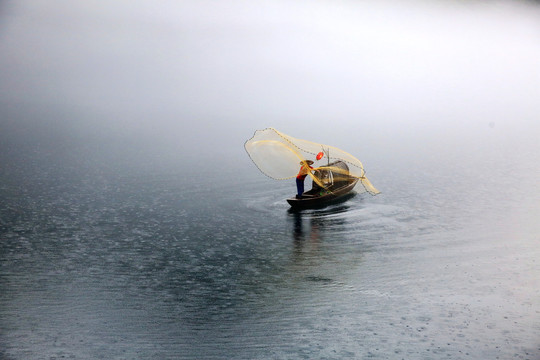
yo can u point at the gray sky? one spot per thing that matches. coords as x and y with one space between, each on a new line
193 73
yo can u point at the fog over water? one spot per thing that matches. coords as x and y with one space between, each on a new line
385 74
133 224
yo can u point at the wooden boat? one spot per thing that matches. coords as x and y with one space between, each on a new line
337 185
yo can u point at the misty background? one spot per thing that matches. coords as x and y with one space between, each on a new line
137 83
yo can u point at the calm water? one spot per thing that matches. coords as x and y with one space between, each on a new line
445 263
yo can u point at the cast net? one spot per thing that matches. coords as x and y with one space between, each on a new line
280 157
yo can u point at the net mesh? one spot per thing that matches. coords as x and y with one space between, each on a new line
280 157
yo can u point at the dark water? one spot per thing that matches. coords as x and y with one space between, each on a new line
104 264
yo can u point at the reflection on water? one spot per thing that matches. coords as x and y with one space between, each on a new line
309 226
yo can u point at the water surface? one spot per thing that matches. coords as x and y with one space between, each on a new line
131 265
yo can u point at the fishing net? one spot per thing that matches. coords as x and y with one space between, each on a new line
280 157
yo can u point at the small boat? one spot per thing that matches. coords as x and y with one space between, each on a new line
279 156
336 186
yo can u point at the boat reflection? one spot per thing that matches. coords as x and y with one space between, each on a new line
309 228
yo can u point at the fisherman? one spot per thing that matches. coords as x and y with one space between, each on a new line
304 171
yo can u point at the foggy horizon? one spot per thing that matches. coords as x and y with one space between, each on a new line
198 78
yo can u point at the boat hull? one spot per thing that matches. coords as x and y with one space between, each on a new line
313 198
